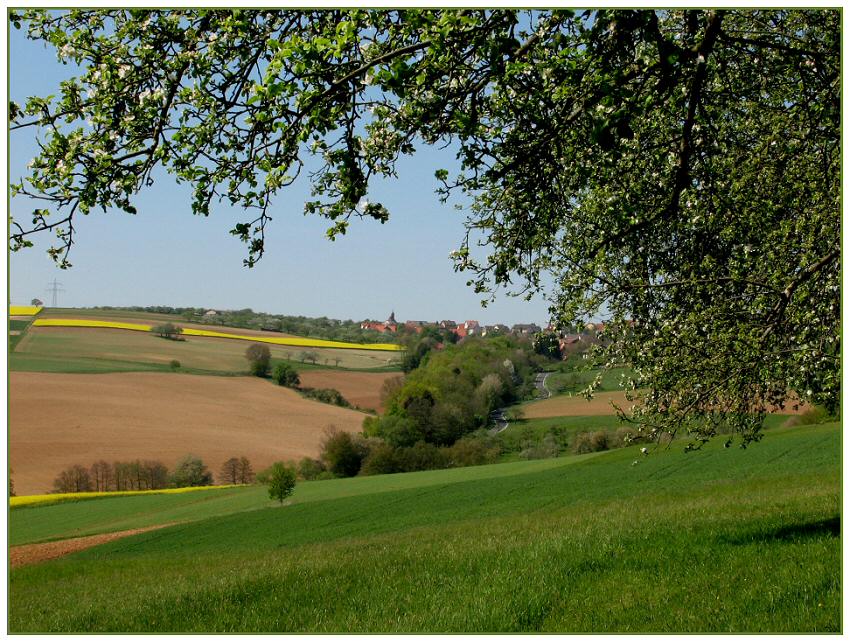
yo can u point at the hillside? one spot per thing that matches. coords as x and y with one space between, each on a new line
57 420
716 540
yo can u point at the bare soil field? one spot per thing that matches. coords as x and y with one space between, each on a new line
362 389
576 406
204 353
57 420
600 405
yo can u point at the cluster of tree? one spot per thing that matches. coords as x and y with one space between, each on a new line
236 470
346 455
454 391
167 331
418 345
259 357
104 476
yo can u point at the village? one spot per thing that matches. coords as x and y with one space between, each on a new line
473 328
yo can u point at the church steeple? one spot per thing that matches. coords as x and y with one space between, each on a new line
392 317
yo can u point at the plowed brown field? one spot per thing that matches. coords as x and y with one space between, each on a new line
362 389
57 420
577 406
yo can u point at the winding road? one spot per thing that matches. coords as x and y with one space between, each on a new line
498 416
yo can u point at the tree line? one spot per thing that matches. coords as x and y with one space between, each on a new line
103 476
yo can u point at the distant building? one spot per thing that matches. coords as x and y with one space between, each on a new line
498 328
390 325
210 313
467 328
416 326
525 328
448 325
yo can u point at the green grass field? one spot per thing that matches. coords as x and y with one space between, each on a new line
95 350
716 540
566 382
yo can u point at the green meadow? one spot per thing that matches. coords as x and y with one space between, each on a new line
715 540
524 431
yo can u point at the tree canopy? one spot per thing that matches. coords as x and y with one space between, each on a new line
676 171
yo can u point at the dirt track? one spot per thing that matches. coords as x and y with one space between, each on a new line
34 553
363 389
57 420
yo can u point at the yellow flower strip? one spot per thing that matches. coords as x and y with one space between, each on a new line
88 323
24 310
55 498
284 341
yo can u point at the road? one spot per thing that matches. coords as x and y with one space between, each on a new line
540 383
498 416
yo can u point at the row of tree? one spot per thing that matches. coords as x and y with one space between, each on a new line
104 476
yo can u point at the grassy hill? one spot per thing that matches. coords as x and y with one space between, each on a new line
103 350
717 540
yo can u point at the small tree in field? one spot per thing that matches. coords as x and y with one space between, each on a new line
244 472
167 331
229 473
281 481
259 356
285 375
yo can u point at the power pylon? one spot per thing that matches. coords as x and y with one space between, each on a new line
55 288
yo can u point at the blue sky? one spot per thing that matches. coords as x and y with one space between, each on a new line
166 256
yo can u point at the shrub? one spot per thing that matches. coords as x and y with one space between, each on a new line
472 451
591 442
395 430
310 469
423 456
174 364
814 415
191 471
546 449
259 356
326 395
342 453
382 459
285 375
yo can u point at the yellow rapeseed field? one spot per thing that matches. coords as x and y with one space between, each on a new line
284 341
24 310
32 500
